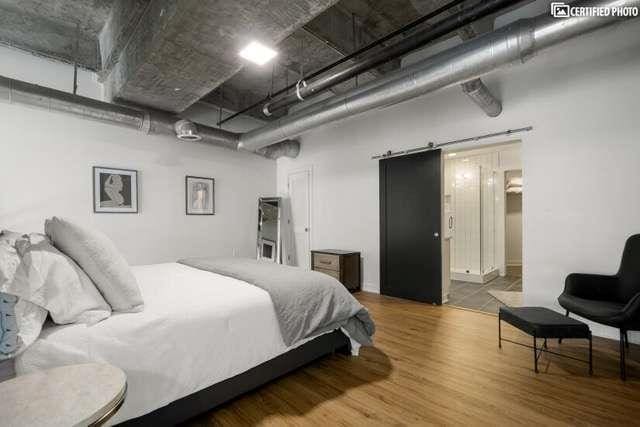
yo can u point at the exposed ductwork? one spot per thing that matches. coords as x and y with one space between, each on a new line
457 21
478 92
475 89
512 44
145 120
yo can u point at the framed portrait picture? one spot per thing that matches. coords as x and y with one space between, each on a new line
115 190
199 194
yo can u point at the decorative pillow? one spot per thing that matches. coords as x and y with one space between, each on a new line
100 259
20 319
52 280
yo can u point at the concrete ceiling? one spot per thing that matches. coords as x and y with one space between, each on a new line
169 54
52 27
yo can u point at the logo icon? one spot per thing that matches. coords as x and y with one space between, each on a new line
560 10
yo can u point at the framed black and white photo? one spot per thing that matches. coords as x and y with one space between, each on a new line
115 190
199 194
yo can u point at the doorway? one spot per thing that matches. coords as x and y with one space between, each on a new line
482 206
299 189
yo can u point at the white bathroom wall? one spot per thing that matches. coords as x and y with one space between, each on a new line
514 229
513 223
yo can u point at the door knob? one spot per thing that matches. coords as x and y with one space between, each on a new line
436 235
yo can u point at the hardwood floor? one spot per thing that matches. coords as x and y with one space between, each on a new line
442 365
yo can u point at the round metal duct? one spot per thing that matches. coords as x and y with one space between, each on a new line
187 131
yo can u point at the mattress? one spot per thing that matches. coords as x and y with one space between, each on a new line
198 328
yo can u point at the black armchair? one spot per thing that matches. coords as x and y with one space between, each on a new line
609 300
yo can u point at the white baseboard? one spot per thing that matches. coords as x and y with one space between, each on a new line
474 277
371 287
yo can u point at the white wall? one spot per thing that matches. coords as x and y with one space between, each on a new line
581 159
46 170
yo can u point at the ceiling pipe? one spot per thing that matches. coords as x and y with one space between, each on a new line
480 94
512 44
306 89
475 89
358 52
153 122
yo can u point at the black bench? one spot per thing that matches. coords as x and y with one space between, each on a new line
540 322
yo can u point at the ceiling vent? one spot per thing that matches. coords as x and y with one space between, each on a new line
187 131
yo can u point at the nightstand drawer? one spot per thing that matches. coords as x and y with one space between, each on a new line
332 273
326 262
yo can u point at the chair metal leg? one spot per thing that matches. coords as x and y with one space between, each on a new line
623 366
560 339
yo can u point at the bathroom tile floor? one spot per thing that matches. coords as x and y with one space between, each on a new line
476 296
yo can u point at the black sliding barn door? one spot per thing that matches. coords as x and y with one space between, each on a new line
410 217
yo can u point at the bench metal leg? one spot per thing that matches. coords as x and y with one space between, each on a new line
626 339
590 354
535 354
499 331
623 365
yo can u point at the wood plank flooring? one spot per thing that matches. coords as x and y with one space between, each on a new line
441 365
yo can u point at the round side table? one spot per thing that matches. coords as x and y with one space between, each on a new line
74 395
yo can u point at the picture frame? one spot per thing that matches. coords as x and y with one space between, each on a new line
199 195
115 190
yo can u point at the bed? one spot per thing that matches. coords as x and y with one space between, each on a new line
203 338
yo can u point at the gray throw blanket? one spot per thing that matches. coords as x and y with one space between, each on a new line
307 303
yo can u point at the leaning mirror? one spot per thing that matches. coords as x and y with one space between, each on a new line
269 240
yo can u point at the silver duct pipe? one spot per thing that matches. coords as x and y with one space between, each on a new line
479 93
148 121
475 89
512 44
288 148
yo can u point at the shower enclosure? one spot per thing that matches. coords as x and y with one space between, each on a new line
470 209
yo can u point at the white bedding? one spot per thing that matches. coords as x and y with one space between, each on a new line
197 329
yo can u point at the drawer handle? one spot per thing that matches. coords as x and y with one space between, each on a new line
325 262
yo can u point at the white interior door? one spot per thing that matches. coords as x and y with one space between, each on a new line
299 184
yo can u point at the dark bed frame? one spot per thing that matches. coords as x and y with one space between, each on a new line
204 400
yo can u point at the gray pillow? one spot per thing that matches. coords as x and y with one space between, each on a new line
100 259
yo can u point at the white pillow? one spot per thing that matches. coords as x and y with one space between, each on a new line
52 280
100 259
10 236
20 319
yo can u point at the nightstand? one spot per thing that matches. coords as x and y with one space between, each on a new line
74 395
341 265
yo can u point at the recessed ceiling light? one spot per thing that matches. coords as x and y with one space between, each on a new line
258 53
452 154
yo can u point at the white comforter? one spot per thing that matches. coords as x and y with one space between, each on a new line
198 328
